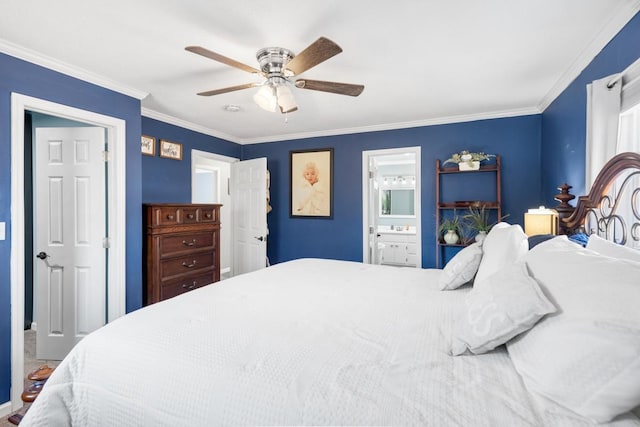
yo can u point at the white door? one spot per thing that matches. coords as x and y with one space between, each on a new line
70 218
374 207
249 211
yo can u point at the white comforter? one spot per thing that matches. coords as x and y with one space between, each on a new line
314 342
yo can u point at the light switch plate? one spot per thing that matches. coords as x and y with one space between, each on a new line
2 230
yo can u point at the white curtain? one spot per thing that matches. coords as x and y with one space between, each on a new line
609 132
613 126
603 115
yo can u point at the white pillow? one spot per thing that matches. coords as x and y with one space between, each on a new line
508 303
503 246
608 248
586 356
461 268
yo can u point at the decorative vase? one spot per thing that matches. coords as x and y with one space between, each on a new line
469 165
451 237
481 236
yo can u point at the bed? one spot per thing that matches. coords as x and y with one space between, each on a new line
541 337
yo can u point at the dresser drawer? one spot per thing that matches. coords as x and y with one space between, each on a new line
189 215
186 264
173 287
171 244
165 215
208 214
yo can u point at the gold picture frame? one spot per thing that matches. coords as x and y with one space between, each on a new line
311 183
148 145
170 150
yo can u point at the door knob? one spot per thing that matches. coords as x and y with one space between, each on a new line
43 256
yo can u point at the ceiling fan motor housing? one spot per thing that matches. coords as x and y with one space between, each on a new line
273 59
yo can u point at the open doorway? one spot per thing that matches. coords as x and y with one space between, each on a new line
391 215
20 234
210 175
241 188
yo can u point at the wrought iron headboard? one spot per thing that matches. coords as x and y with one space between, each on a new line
612 207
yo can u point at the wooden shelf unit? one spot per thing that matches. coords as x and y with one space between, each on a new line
447 205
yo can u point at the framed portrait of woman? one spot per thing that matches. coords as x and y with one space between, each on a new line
311 183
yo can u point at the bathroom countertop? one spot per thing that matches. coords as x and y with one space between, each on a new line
388 230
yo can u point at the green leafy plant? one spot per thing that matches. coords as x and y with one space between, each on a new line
450 223
466 156
477 219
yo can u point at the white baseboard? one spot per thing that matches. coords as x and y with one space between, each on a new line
5 409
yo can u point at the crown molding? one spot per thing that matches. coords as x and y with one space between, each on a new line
28 55
152 114
334 132
395 126
620 18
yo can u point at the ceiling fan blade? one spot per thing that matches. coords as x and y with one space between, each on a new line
333 87
221 58
317 52
229 89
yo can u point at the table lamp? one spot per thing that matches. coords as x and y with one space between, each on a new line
540 221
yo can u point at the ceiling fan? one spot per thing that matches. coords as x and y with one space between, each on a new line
278 66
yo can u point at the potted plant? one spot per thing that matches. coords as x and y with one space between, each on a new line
477 219
467 160
450 228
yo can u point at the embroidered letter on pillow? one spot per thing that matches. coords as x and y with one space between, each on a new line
509 303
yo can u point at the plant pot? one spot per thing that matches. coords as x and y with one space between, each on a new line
451 238
469 165
481 236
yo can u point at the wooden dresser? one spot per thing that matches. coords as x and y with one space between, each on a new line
181 248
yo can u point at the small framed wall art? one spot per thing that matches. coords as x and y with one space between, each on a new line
148 146
311 189
170 150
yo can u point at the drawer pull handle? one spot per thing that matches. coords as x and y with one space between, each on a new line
208 215
191 243
170 217
190 216
193 264
189 286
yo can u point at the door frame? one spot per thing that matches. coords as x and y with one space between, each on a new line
116 179
366 161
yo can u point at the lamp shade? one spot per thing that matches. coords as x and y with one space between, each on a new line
285 99
266 98
540 221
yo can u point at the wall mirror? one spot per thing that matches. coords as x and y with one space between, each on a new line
397 202
397 196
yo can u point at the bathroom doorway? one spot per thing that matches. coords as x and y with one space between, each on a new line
391 207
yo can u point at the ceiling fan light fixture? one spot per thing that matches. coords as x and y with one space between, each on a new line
285 99
266 99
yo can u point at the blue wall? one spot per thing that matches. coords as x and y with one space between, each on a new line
517 140
28 79
554 140
564 122
168 180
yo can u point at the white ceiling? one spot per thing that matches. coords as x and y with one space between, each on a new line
422 61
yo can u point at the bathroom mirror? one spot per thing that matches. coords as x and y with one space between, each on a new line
397 202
